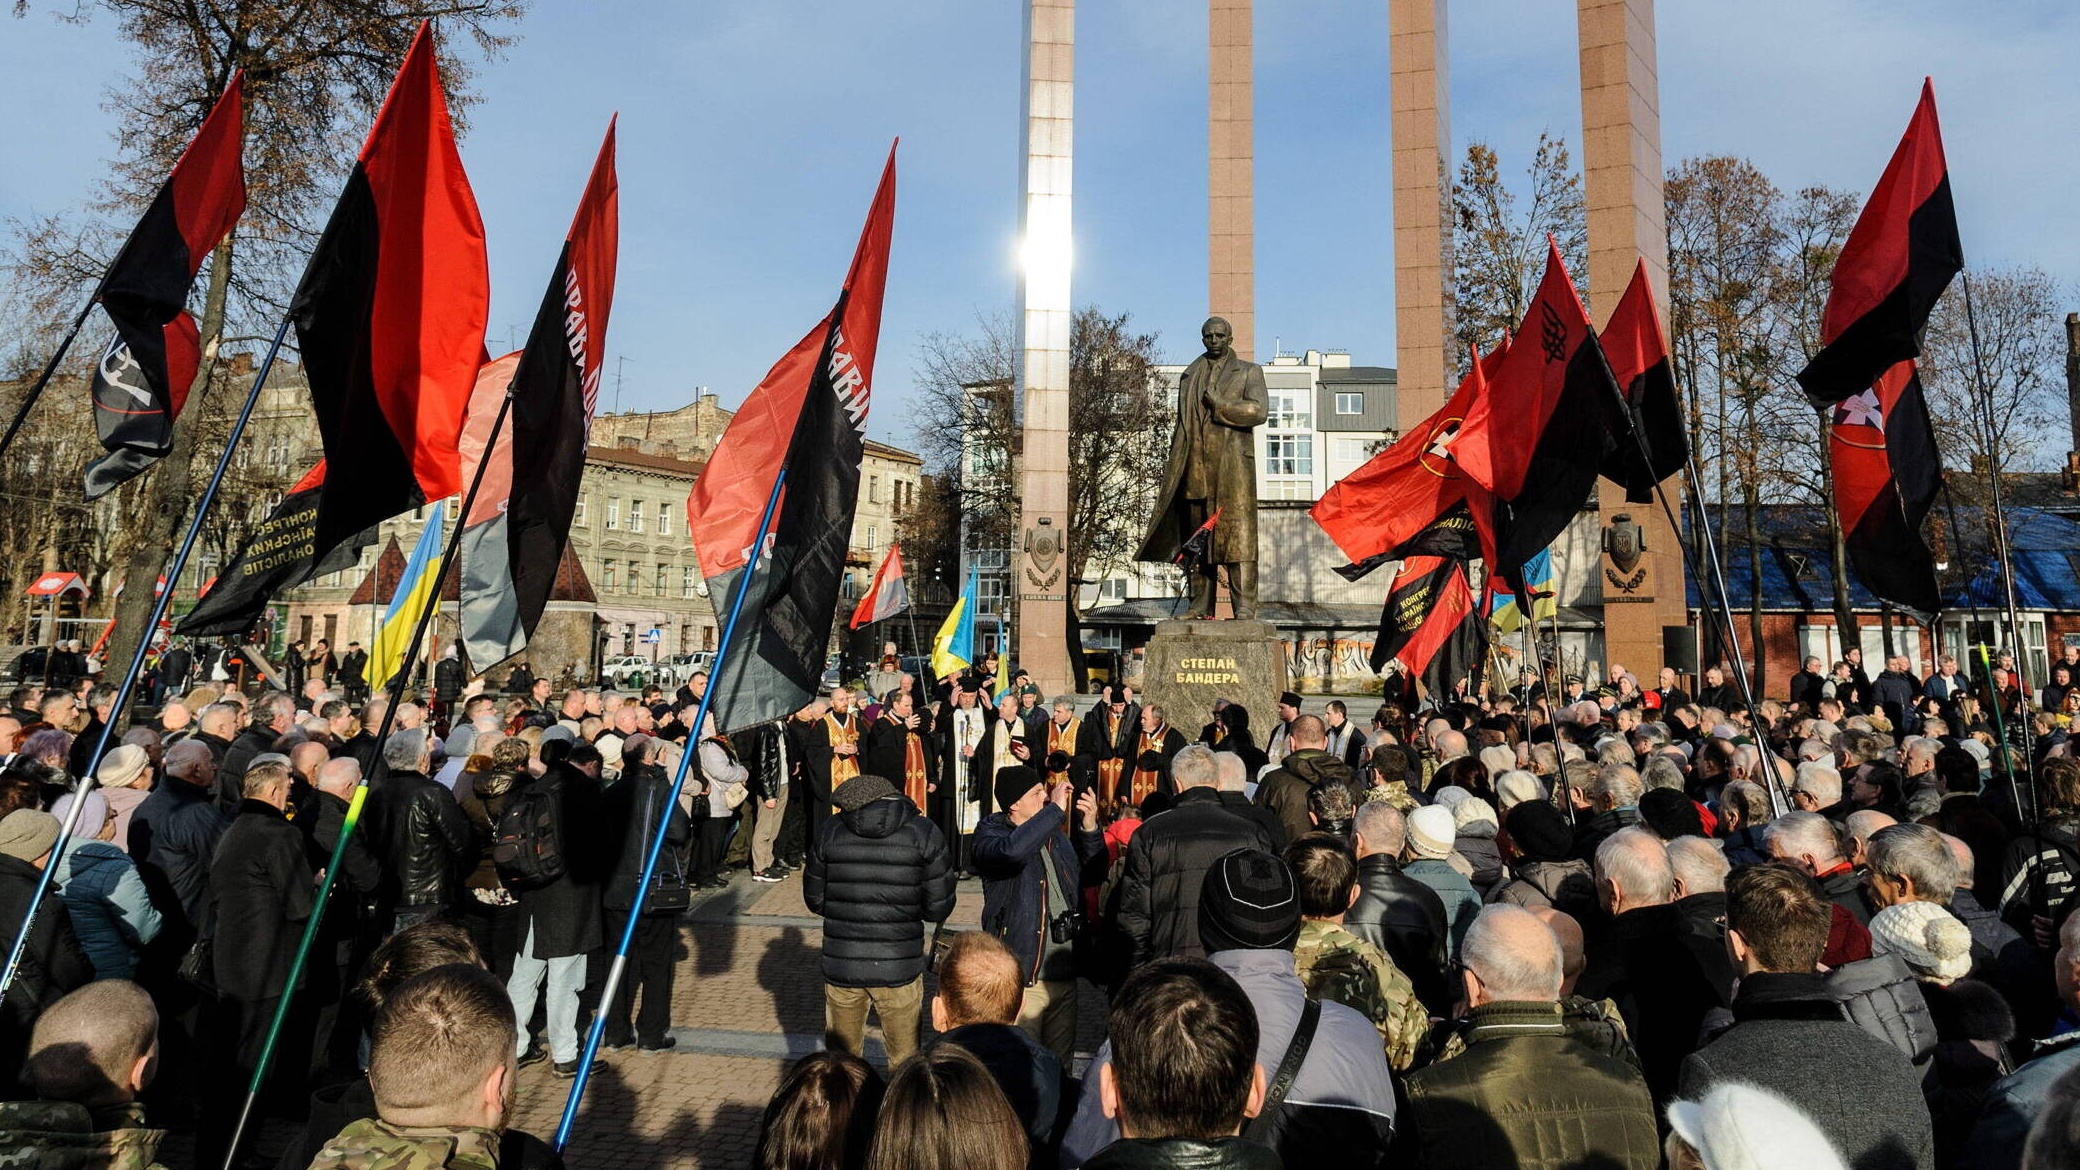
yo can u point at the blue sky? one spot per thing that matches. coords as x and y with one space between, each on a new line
752 132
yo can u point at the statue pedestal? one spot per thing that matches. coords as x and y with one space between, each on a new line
1190 664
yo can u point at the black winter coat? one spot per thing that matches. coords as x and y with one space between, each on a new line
566 914
1040 1092
878 874
1284 789
1406 919
53 963
632 807
1665 987
1228 1153
422 837
261 889
1014 860
173 836
231 767
1167 861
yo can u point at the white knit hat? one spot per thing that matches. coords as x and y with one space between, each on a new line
1742 1127
1431 831
1926 937
1474 810
1450 795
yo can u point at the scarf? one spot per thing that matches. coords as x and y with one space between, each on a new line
1110 767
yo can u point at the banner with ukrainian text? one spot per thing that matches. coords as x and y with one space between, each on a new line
280 554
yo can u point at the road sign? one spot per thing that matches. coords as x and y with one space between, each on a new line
653 634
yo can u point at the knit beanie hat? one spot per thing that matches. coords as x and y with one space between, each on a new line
1741 1127
122 766
1249 902
1013 783
1670 814
28 834
1540 832
1431 831
1450 795
1473 811
91 818
1925 936
861 791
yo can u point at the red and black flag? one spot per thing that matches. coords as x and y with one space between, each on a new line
1886 472
280 554
1638 352
1897 261
390 312
145 371
808 418
1193 550
514 536
1430 623
1412 499
1541 435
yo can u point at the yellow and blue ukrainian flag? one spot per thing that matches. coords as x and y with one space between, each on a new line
416 590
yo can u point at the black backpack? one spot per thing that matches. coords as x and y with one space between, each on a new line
527 847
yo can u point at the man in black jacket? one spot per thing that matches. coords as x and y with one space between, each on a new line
977 1000
173 835
1787 1029
635 807
1665 979
561 920
353 666
1397 913
878 873
261 893
273 716
1284 789
1168 858
1032 893
53 963
418 832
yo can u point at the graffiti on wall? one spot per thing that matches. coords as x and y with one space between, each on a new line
1330 664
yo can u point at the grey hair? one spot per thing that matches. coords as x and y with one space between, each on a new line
1450 745
1234 772
216 710
1621 783
1820 782
1700 865
1918 853
1661 772
1636 862
338 768
1614 750
1800 833
1064 701
1750 798
404 750
1195 767
1513 962
1656 733
1814 749
1385 828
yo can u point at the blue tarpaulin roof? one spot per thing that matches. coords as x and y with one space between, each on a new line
1796 572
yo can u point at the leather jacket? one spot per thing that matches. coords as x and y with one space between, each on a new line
1406 919
1228 1153
422 837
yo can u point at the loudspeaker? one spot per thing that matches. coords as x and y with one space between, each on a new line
1679 649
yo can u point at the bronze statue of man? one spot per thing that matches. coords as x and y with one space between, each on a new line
1213 467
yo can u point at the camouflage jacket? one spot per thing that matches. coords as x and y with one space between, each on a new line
1394 792
62 1135
1338 966
372 1144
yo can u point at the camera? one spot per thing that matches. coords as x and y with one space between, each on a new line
1068 926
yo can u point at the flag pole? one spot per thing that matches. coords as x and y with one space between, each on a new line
656 847
2000 524
360 797
50 368
137 660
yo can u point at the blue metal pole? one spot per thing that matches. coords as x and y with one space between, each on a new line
144 648
635 913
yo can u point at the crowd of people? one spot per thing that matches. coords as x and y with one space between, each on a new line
1622 927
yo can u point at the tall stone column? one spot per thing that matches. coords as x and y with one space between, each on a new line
1230 160
1039 561
1418 46
1628 222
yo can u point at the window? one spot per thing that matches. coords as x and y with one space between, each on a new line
848 590
873 536
1112 589
686 581
1351 452
660 579
607 577
664 520
1350 402
613 514
873 489
1289 411
578 516
635 577
991 593
635 515
1289 455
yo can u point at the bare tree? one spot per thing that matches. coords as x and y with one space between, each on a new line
2022 348
315 74
1498 253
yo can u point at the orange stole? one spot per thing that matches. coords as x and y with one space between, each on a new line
1063 739
1144 781
915 780
1110 770
843 768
